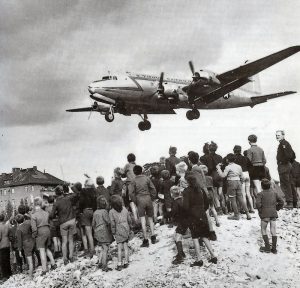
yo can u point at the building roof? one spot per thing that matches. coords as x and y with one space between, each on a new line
29 176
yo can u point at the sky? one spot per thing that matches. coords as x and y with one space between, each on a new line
51 50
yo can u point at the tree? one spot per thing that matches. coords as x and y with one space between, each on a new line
9 209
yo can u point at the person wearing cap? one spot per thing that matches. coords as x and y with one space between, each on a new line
101 190
171 162
234 174
243 162
258 160
268 203
64 211
285 157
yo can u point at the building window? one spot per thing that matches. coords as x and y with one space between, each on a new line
4 192
26 188
13 202
12 191
32 188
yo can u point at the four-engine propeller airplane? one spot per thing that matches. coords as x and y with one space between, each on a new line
142 94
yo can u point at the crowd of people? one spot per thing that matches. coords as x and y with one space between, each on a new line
188 192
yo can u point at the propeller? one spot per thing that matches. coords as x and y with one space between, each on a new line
94 107
192 67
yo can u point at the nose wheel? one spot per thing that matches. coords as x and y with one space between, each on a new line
109 116
145 124
192 114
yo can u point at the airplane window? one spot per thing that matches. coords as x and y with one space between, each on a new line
106 77
115 78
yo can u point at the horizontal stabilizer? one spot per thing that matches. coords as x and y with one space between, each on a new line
103 99
265 98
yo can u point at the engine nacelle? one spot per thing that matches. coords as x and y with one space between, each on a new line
101 107
211 77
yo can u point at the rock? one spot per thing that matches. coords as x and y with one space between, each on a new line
77 274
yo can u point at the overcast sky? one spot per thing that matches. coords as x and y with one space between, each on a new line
51 50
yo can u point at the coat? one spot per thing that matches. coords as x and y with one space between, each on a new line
120 224
267 203
101 226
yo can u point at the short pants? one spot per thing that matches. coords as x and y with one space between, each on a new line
234 188
217 179
145 206
246 178
43 239
198 228
269 219
28 247
257 172
68 228
87 217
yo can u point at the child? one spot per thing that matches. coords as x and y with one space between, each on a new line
155 178
102 231
120 227
4 249
54 228
25 240
165 187
101 190
41 233
12 235
116 187
142 192
268 203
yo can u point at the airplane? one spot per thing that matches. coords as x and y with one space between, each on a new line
143 94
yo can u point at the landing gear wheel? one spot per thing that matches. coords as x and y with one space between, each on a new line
144 125
109 117
190 115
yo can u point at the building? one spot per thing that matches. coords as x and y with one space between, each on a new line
25 184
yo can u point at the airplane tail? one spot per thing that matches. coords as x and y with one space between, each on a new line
264 98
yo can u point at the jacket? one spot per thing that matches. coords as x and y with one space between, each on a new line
267 203
101 226
39 218
116 187
165 187
171 163
4 241
141 185
120 224
256 155
87 199
285 153
211 161
24 234
102 191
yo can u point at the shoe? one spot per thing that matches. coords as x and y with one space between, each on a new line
225 211
264 250
66 262
72 259
218 224
153 239
235 217
119 268
178 259
126 265
53 267
248 217
43 273
212 236
145 243
274 250
100 266
213 260
91 254
107 269
197 263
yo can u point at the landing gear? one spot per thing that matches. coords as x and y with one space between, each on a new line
109 116
192 114
145 124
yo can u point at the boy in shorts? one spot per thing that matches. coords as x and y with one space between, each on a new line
25 240
268 203
234 174
142 192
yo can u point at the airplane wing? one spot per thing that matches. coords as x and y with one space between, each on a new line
264 98
238 77
257 66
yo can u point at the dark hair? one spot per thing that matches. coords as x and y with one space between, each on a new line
172 150
65 188
137 170
252 138
205 148
101 202
230 157
265 184
237 149
245 153
116 203
51 199
191 178
154 170
213 147
23 209
77 187
130 157
193 157
2 217
58 190
100 180
19 218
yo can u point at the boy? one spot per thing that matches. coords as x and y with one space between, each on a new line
165 187
234 174
101 190
268 203
12 235
4 249
171 162
25 240
155 178
142 191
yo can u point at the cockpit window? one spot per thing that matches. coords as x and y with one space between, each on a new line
109 78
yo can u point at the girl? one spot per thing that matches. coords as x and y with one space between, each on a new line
102 231
120 226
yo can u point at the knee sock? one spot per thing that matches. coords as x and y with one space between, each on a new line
274 242
266 240
179 248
